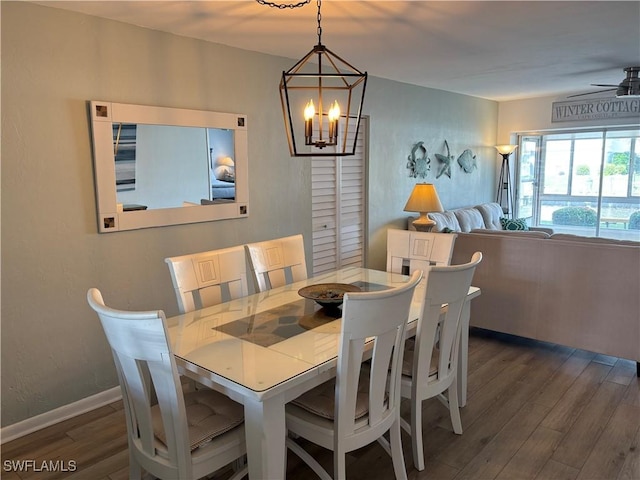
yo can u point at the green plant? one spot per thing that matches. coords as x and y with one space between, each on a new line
579 216
634 220
583 170
611 169
618 164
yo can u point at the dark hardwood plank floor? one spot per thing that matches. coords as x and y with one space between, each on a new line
535 411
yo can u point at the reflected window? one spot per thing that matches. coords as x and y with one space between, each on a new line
124 151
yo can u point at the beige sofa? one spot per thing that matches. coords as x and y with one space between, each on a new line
577 291
481 217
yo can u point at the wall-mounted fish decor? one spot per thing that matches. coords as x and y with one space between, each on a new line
419 163
444 162
467 161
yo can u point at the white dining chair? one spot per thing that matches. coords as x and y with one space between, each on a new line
277 262
408 250
430 363
208 278
360 404
183 436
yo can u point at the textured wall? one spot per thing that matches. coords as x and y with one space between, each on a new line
402 115
53 61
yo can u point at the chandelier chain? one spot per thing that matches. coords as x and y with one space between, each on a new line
282 6
319 16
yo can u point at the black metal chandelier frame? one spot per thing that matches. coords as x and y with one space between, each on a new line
331 74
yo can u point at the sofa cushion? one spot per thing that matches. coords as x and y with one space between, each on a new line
445 220
491 215
514 224
513 233
542 229
469 218
600 240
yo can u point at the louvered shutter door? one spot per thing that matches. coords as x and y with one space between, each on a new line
338 209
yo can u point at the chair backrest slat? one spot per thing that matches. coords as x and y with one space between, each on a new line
408 251
382 315
277 262
208 278
146 369
444 285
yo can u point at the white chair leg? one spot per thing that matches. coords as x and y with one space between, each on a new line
135 470
416 435
454 409
339 464
308 459
240 474
396 451
384 443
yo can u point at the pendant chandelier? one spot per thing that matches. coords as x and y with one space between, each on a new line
322 97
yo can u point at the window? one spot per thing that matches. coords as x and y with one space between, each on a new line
582 182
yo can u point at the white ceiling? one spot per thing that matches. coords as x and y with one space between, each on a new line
499 50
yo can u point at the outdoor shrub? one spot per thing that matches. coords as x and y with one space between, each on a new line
615 170
582 170
634 220
579 216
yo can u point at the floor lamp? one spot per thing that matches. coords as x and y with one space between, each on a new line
504 184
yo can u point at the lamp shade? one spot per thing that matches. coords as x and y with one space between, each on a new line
424 198
506 149
225 161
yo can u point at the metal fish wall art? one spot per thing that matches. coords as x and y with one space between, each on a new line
467 161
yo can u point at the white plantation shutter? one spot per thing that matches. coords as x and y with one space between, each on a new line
338 209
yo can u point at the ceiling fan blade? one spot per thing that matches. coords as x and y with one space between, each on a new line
590 93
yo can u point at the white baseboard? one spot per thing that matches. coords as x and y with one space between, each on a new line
20 429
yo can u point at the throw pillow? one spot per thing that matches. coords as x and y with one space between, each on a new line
225 173
514 224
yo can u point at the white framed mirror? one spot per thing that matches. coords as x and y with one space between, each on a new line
157 166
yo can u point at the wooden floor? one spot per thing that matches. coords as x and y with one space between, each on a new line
535 411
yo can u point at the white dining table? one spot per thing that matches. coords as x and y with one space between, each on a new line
266 349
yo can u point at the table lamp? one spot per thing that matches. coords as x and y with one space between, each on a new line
423 199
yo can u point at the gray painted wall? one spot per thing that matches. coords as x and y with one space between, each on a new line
53 349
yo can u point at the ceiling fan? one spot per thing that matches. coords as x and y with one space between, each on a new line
629 87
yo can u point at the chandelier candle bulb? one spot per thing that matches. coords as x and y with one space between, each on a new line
309 112
334 116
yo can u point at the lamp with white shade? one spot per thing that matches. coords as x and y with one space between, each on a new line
424 199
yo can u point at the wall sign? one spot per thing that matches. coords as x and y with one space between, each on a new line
595 109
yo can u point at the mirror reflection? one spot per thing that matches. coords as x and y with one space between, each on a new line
151 162
222 166
163 166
